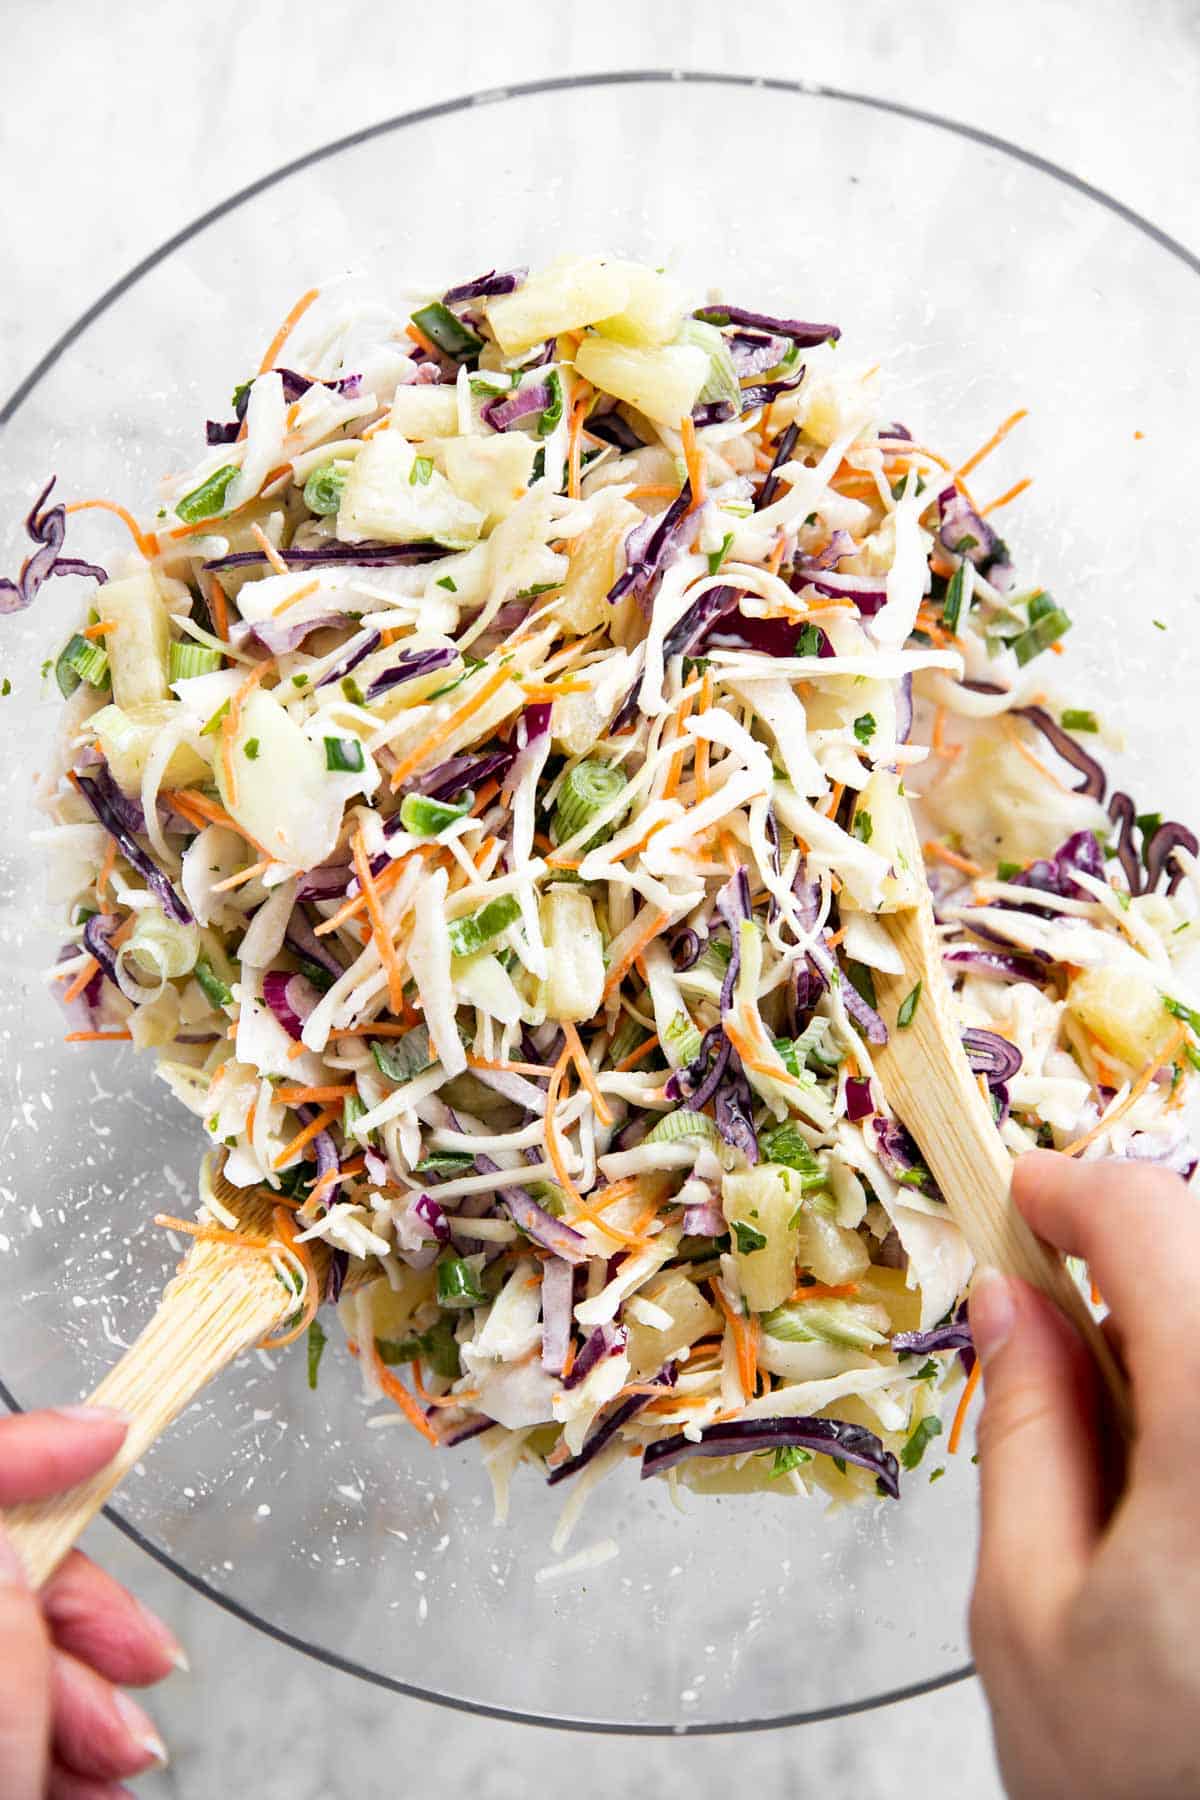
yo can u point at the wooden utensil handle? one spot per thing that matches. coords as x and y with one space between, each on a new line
931 1087
214 1310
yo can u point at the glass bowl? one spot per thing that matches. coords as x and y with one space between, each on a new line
984 280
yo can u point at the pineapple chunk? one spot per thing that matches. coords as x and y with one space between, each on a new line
137 648
285 799
126 738
664 384
761 1202
392 1309
574 987
652 310
1124 1011
571 293
385 497
834 1254
1001 810
691 1317
492 473
595 559
425 411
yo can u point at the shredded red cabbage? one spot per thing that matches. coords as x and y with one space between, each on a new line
534 1220
291 998
614 428
606 1340
798 330
901 1158
654 545
783 454
449 779
737 1437
408 666
991 1056
333 553
859 1104
998 963
506 410
606 1430
954 1336
965 533
358 651
484 286
864 1016
754 352
1169 837
1069 748
131 850
47 527
558 1292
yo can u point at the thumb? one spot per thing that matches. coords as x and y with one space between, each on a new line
24 1683
1041 1476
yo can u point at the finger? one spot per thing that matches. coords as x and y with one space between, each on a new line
94 1619
1139 1230
96 1729
24 1696
61 1784
42 1453
1041 1476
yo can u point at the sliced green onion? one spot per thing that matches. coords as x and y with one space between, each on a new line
845 1323
214 989
251 748
207 500
908 1008
551 416
445 1162
353 1109
1079 719
717 557
863 828
473 933
344 756
472 663
316 1350
683 1038
809 641
323 489
81 660
422 469
864 727
449 333
721 383
214 724
927 1428
956 589
674 1127
426 818
716 957
458 1282
448 582
863 982
628 1037
787 1458
587 790
1006 870
437 1346
1047 623
402 1058
747 1238
186 660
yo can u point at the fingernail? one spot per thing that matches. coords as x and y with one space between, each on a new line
12 1569
991 1312
140 1728
166 1637
93 1415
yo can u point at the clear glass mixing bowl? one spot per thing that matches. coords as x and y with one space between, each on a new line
983 280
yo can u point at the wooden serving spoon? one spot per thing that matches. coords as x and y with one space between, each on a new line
930 1086
222 1301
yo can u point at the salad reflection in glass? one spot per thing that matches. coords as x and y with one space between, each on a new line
481 785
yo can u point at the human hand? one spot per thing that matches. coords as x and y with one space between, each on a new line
1084 1613
66 1731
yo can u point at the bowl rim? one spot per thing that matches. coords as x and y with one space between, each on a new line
25 388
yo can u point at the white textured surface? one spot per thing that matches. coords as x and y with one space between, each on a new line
119 124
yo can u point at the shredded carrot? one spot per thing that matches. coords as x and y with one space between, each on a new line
380 929
745 1343
373 1030
1018 743
539 692
1174 1044
835 800
98 1037
832 942
459 716
211 1234
998 436
693 456
963 1407
276 561
232 720
189 802
510 1068
286 1230
653 490
301 1096
1096 1296
418 337
938 743
569 1360
553 1146
218 608
292 599
819 1291
385 881
285 330
657 923
703 749
106 869
675 771
1003 499
636 1056
942 853
146 541
81 979
99 628
587 1074
313 1129
579 408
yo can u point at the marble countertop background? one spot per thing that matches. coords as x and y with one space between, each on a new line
118 123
